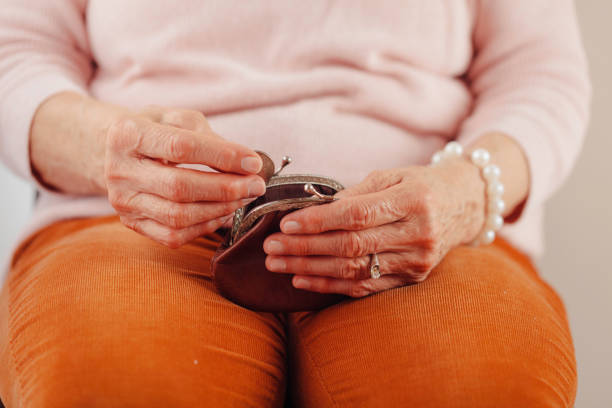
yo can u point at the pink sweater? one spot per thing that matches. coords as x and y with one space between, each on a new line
344 86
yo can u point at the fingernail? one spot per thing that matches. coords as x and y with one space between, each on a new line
291 226
251 164
301 283
274 247
256 188
278 265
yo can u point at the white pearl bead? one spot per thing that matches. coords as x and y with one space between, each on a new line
487 237
497 206
495 189
491 172
495 222
436 158
453 149
480 157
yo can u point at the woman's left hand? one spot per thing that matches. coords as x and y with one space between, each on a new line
411 217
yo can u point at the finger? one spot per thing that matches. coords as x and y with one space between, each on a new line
187 119
171 237
329 266
408 264
352 288
396 237
351 213
336 243
189 185
153 112
377 180
182 146
178 215
181 118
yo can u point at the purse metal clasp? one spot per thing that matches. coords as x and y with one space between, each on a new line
286 161
309 188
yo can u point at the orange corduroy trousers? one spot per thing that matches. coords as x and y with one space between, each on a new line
95 315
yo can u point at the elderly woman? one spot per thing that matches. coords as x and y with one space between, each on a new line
137 123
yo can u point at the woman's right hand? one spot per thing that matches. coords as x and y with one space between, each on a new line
171 204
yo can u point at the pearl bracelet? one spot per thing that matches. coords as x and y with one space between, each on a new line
494 188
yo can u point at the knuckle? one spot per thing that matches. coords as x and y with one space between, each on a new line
297 246
196 117
178 188
424 264
119 201
152 108
429 225
172 117
353 244
120 133
419 277
377 174
300 247
176 216
425 196
428 233
224 157
230 191
114 197
180 147
317 222
383 178
171 238
112 170
187 119
430 260
359 216
428 242
153 113
350 269
419 268
359 289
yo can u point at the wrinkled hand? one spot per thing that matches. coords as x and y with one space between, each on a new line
171 204
410 217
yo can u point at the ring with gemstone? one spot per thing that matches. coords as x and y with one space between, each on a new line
374 266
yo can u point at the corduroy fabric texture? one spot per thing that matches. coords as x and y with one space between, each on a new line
95 315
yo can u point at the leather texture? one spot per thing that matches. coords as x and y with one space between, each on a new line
239 270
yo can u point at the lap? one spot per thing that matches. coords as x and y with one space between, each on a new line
482 330
93 314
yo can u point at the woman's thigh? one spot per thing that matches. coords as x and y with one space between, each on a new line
95 315
483 330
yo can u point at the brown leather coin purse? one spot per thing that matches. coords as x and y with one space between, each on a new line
238 267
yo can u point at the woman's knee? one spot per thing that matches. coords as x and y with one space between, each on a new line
481 331
124 326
